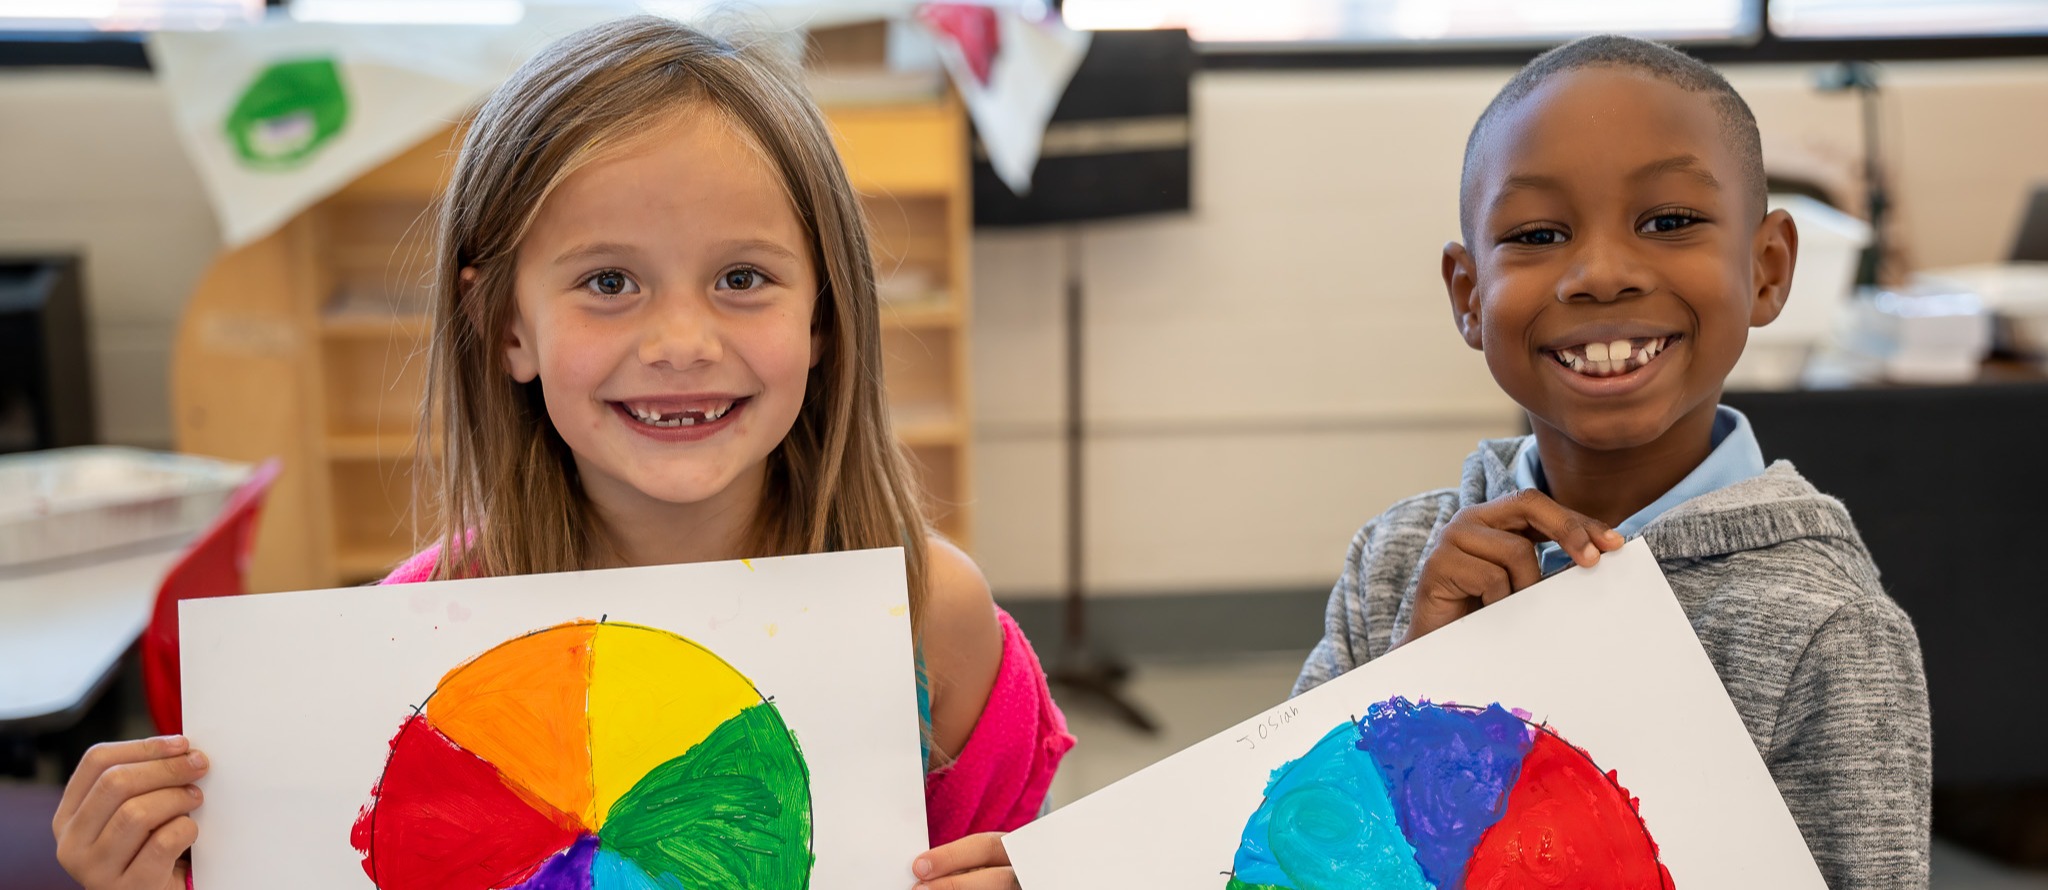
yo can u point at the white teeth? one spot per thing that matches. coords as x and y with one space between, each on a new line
684 418
1607 359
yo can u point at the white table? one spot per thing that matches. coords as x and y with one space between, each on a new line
65 626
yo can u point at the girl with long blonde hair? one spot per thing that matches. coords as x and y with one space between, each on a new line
656 340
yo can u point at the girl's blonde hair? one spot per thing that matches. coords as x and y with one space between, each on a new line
502 480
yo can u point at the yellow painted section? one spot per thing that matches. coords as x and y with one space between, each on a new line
521 707
653 695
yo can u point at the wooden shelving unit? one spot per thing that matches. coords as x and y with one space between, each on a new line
309 344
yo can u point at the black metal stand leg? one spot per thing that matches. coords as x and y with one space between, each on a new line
1080 668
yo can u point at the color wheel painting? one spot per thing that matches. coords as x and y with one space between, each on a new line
591 756
1442 796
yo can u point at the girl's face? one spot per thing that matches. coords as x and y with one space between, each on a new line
665 297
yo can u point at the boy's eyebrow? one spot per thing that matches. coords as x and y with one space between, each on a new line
1687 164
1521 181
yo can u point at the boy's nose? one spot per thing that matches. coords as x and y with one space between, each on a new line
1603 273
681 333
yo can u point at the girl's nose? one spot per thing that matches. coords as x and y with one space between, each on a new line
681 333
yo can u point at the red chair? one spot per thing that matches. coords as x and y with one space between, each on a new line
215 565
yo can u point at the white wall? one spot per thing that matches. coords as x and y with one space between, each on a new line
1273 369
1265 373
89 164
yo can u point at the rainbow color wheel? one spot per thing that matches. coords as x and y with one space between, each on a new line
1445 797
591 756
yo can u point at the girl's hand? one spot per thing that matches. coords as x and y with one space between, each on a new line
123 823
1488 552
974 862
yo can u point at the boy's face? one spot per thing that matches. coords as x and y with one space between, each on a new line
1617 262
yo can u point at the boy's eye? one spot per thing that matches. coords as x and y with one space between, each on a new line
1669 222
1537 237
610 283
741 279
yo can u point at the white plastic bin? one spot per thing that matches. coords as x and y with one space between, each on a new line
68 501
1830 246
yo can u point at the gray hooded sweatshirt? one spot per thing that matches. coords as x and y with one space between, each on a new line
1823 667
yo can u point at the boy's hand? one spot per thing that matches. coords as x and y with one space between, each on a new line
122 822
1488 551
974 862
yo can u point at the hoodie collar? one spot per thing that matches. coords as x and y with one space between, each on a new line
1777 506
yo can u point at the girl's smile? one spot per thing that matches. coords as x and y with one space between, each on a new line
680 418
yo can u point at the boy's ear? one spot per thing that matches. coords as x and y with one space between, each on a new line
522 360
1774 253
1459 280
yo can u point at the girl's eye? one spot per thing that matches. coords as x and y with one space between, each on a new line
741 279
1664 223
1537 237
610 283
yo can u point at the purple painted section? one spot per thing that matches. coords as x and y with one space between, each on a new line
568 870
1448 771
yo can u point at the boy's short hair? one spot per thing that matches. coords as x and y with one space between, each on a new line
1648 57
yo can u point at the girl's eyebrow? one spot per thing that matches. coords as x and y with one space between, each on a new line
596 249
761 244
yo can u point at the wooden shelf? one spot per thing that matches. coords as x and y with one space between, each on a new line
374 326
918 431
371 446
935 312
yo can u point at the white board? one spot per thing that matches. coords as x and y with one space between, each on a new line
298 699
1601 658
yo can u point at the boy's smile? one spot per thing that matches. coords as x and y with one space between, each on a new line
1616 260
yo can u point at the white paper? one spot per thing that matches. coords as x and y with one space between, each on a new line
1602 656
296 698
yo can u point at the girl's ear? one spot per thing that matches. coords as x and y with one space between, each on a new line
522 360
1775 252
1459 281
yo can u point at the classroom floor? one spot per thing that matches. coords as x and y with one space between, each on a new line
1194 700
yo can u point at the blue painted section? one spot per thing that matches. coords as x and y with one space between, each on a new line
1328 824
1447 771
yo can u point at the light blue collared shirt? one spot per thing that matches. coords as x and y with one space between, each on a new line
1735 457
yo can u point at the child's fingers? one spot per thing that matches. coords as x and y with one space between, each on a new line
132 829
1511 553
1533 515
119 784
108 755
156 864
966 854
1003 878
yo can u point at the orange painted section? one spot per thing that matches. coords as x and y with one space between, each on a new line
523 707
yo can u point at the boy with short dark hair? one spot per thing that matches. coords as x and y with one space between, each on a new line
1616 252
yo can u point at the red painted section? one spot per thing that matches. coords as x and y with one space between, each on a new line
1567 825
443 819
